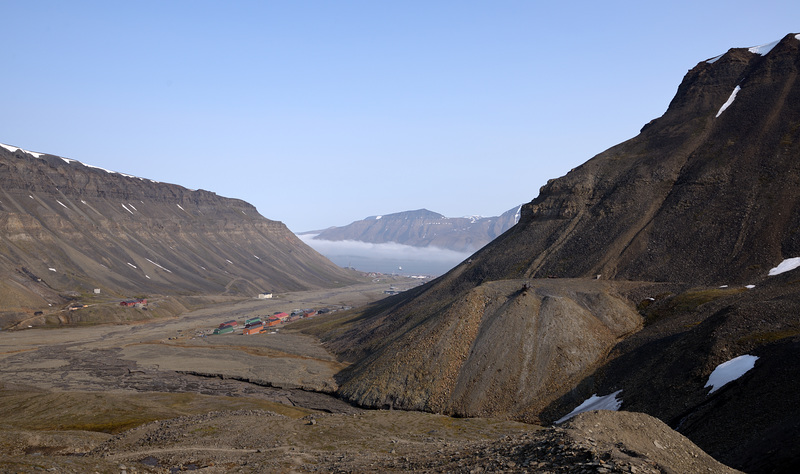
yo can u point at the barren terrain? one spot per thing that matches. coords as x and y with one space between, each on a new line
165 396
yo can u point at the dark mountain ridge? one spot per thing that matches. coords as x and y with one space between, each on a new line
424 228
627 274
695 197
68 227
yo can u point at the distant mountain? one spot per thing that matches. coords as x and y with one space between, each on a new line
67 227
631 278
423 228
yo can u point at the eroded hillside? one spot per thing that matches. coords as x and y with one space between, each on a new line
507 347
68 228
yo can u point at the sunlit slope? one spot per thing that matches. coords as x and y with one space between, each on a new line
65 226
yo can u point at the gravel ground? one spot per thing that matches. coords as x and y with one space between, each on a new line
252 441
159 397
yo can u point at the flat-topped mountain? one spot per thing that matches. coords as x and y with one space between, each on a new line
66 227
424 228
632 277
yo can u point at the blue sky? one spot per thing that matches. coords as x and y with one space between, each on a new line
320 113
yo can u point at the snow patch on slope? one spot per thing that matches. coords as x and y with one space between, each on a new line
763 49
102 169
729 101
159 266
730 371
785 266
606 402
13 149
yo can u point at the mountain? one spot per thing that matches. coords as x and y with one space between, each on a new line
67 228
423 228
632 277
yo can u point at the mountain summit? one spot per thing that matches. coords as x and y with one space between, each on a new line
423 228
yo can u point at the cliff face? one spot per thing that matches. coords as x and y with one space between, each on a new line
423 228
704 201
65 226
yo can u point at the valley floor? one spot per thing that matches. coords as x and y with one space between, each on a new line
165 395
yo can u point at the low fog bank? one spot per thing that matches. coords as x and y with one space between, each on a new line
389 257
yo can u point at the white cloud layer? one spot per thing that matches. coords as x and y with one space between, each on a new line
387 257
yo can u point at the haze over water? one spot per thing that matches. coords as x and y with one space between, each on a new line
388 257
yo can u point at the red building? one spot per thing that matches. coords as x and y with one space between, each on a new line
133 302
273 321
